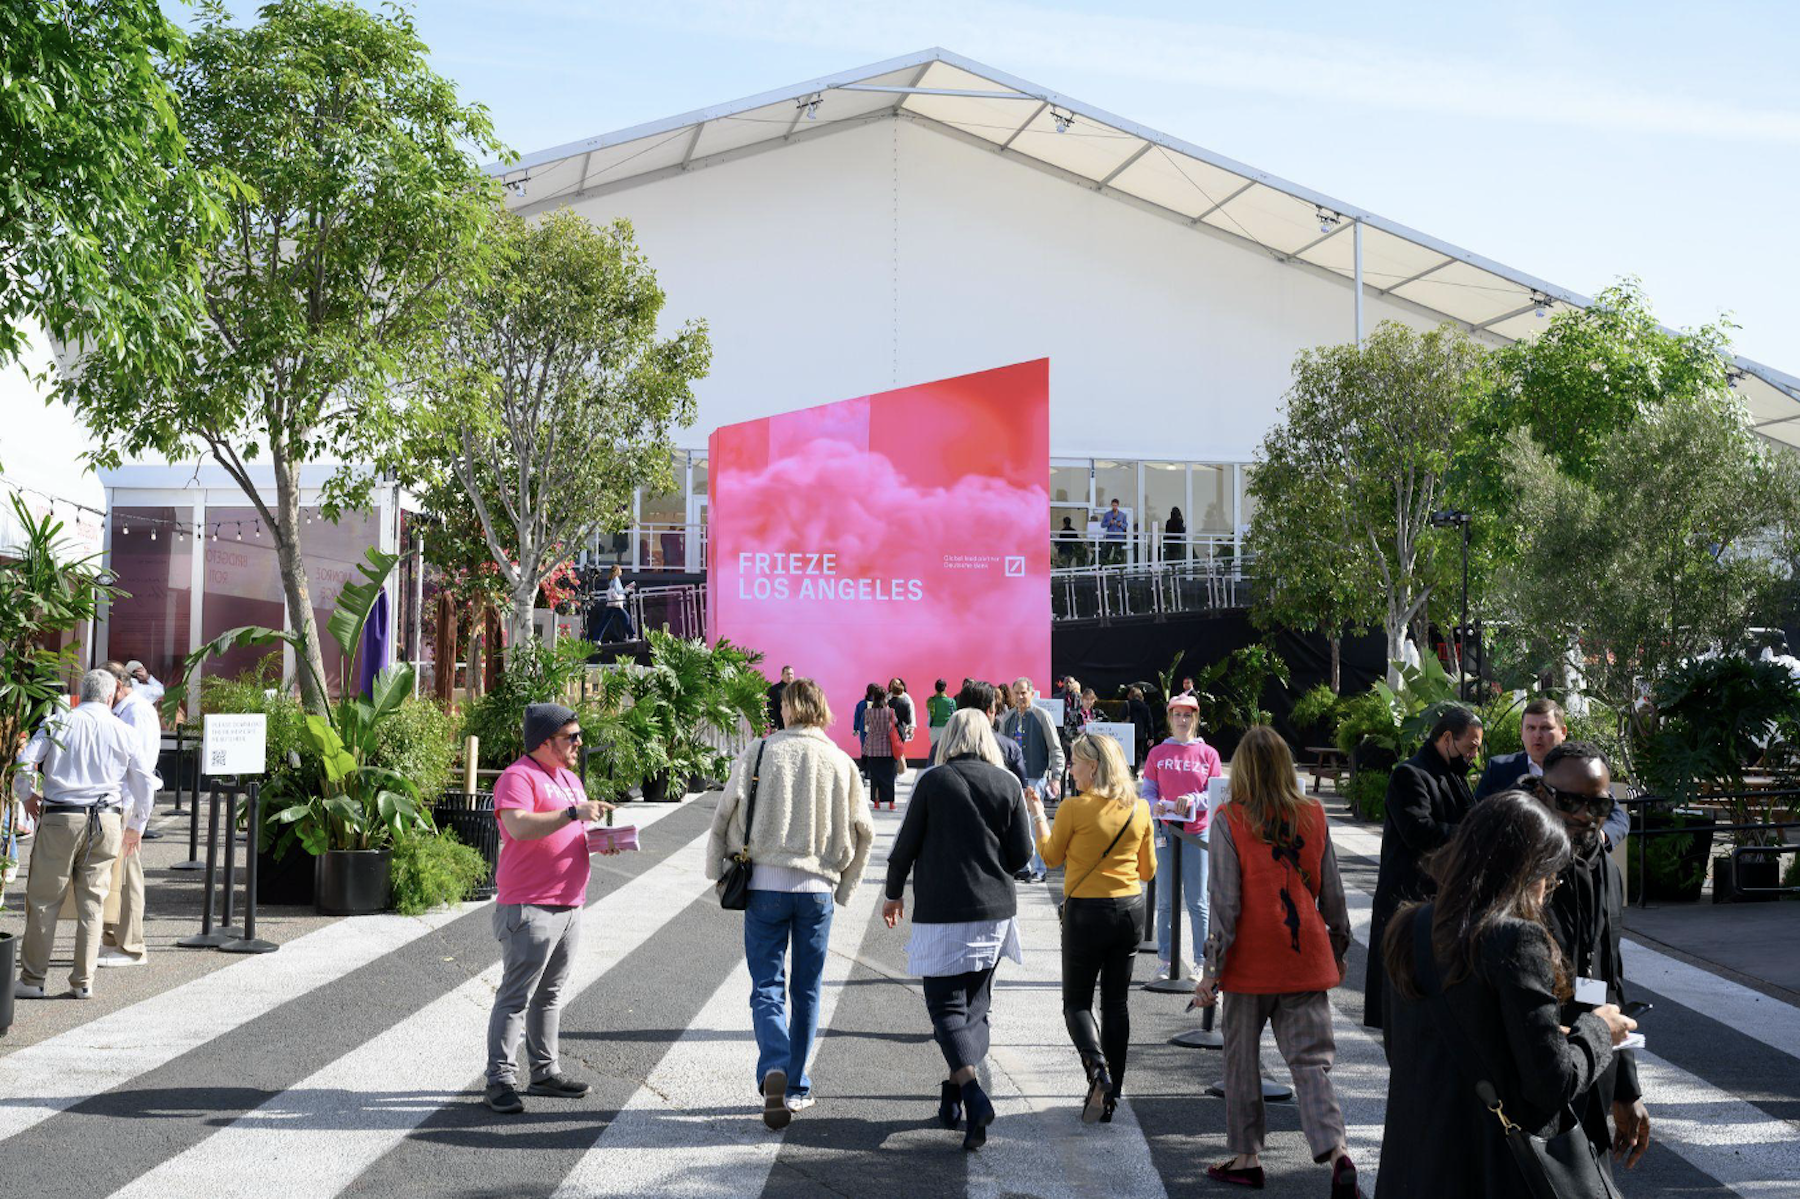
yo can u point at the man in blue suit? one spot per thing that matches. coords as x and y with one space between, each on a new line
1543 729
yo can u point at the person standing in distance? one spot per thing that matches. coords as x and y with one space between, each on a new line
939 709
540 889
776 722
1542 728
1173 783
1034 732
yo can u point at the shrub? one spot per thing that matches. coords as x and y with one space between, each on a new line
1366 793
415 741
1367 717
1319 707
429 871
536 674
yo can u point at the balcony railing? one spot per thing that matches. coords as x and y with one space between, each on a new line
1124 591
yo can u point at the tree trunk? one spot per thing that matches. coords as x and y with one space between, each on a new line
286 533
519 631
1395 629
477 650
1337 663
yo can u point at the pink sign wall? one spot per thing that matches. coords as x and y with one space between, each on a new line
904 533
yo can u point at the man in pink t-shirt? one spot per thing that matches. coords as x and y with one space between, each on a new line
540 887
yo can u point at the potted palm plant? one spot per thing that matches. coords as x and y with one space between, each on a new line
360 808
671 727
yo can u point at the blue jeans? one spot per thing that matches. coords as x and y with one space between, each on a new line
1042 785
1193 893
786 1015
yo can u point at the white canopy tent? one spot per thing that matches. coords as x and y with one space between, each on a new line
1091 148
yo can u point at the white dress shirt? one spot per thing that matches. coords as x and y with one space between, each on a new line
89 756
140 717
150 691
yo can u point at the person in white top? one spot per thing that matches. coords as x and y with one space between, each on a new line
86 780
124 941
148 689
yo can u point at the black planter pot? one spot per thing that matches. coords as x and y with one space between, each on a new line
288 882
1677 862
1369 756
354 882
656 790
1731 876
9 950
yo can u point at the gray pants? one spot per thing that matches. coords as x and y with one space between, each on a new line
537 947
1302 1021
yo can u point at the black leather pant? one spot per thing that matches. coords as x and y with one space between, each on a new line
1099 944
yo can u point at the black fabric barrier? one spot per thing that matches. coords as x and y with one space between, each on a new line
1107 657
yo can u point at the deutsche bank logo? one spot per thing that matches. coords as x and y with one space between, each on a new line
1015 566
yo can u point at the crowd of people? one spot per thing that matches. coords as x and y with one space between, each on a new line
1494 968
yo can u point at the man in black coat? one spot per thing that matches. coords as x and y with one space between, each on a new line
1427 797
775 692
1584 914
1542 728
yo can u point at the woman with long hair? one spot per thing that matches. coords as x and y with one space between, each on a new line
808 834
1101 839
1279 929
1476 994
879 727
964 835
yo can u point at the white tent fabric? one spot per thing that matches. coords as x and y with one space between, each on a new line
962 98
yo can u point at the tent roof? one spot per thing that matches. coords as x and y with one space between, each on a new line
1121 159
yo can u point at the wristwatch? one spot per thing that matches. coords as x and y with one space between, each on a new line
572 815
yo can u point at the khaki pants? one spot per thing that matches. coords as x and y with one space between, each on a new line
127 933
68 853
1302 1021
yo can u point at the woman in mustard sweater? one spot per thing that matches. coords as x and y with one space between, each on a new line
1102 842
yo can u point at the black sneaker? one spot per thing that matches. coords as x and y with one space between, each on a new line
502 1098
557 1086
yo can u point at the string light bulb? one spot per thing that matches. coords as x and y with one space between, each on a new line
126 530
153 532
240 530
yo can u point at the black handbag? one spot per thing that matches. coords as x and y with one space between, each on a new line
734 887
1563 1166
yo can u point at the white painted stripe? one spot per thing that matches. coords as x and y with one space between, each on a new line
41 1080
316 1137
669 1139
112 1050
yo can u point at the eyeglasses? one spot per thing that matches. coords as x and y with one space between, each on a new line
573 738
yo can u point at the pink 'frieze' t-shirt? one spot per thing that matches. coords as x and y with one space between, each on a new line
551 870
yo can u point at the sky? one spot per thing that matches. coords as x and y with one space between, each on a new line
1577 143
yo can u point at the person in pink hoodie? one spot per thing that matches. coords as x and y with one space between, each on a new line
1174 782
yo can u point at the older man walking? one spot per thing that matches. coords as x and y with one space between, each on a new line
541 887
94 800
124 940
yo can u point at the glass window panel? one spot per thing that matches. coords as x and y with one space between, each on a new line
662 523
1212 500
243 586
151 623
1249 500
1115 481
1069 485
1165 488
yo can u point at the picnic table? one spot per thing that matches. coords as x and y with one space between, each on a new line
1326 760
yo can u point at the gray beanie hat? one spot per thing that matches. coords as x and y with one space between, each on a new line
543 721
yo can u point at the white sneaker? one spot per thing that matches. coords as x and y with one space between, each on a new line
118 957
81 992
799 1103
23 990
1162 970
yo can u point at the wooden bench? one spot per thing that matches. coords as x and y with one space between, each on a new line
1326 760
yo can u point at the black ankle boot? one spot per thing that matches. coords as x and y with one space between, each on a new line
949 1105
978 1113
1099 1089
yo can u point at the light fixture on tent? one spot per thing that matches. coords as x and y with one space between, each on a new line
1063 120
215 533
517 186
153 532
1328 220
240 530
809 106
1543 303
257 531
125 529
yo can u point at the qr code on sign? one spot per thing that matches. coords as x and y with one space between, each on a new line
216 759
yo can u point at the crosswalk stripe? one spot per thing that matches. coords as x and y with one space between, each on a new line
668 1140
316 1137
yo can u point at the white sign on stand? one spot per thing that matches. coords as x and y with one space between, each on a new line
1052 705
235 743
1122 731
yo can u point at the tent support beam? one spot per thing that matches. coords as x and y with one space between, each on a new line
1504 316
1014 135
1222 203
1124 166
1430 270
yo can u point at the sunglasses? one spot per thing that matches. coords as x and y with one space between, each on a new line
1573 802
573 738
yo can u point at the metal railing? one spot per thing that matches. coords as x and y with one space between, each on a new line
1148 590
1640 808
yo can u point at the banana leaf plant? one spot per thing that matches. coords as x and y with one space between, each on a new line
359 805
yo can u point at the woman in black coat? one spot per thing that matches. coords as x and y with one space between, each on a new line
1482 951
1427 797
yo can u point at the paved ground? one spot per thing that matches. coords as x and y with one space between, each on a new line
348 1063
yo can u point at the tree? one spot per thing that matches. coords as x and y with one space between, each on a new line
97 176
1674 549
556 396
1365 441
1312 573
362 211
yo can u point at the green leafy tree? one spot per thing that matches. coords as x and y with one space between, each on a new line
1366 440
1674 549
102 214
556 397
362 211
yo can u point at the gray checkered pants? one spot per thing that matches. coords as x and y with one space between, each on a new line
1302 1021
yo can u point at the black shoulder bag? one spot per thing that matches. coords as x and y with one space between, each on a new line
734 887
1560 1167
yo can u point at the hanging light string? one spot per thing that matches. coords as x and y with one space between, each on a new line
180 530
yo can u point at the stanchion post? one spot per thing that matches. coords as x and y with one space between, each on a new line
193 859
226 930
1204 1037
249 943
471 748
208 937
1172 985
1148 944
